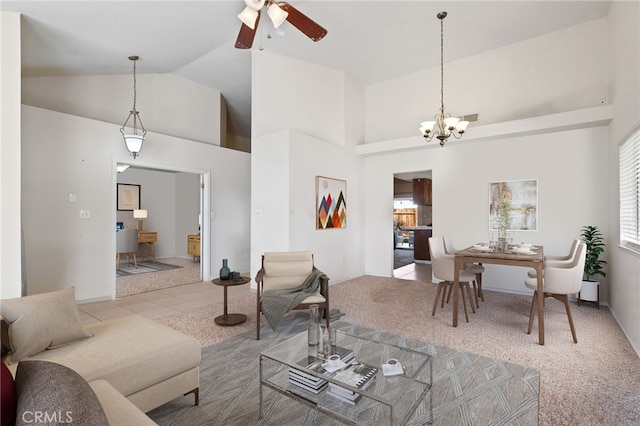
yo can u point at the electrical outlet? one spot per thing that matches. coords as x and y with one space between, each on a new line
85 214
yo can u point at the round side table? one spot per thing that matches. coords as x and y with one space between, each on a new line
226 318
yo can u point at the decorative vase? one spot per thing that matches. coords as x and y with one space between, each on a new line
502 240
314 325
225 272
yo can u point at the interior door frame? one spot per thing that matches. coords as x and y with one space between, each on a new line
205 200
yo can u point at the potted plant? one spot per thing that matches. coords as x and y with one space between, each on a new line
593 265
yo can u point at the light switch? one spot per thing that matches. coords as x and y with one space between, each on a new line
85 214
73 197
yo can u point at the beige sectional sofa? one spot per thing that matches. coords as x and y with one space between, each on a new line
129 357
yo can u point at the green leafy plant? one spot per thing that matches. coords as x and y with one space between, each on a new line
593 265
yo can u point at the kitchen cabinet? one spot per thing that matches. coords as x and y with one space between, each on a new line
421 244
422 192
421 235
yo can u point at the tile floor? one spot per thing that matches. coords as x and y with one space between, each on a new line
168 301
159 303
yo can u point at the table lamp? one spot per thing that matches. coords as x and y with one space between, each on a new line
140 215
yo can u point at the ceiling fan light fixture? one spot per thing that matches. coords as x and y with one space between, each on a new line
249 16
254 4
277 15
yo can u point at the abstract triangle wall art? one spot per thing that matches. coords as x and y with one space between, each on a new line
331 203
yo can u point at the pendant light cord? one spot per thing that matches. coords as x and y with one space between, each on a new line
441 62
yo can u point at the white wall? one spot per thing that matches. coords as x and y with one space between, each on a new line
10 221
307 121
567 166
556 72
167 104
64 153
623 271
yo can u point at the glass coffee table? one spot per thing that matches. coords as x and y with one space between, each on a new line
391 399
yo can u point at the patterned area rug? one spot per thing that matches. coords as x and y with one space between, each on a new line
467 388
143 268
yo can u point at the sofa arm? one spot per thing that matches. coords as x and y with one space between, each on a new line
118 409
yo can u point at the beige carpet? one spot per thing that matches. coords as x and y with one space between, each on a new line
594 382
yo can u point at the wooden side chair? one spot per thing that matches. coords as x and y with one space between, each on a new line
286 270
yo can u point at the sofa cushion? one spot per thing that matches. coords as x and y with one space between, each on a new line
42 321
49 393
130 352
7 397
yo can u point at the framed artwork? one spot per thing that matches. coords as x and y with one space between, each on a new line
331 203
517 197
128 197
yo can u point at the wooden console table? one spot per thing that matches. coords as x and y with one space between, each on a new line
146 238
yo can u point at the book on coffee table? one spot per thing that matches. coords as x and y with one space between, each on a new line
305 380
358 375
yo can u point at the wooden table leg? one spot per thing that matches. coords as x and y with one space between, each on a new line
540 301
456 285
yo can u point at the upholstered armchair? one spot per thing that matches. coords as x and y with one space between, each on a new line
283 271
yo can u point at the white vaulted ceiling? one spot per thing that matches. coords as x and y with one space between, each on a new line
372 41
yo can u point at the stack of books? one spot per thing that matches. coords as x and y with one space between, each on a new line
358 375
305 380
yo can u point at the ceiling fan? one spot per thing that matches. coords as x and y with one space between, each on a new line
278 12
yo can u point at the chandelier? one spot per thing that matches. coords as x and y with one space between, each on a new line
133 141
250 15
445 124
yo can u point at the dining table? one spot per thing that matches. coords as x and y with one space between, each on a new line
510 257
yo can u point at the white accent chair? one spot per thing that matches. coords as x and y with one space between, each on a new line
442 265
283 270
559 281
475 268
127 244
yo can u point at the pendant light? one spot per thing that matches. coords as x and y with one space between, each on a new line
133 140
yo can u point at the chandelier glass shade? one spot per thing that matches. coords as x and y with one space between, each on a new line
443 125
133 136
249 16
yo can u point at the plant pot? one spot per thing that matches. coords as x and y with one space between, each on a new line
590 292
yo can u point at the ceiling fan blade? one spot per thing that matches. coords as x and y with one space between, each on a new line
246 35
302 22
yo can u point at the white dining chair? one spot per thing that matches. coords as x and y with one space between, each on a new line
559 280
442 268
558 259
475 268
